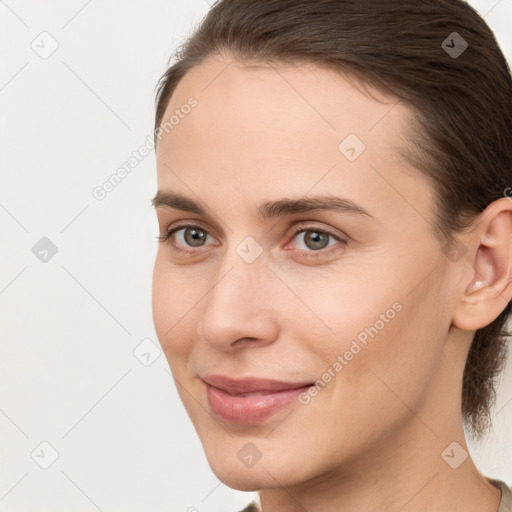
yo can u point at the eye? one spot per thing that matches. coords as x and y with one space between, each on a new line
317 241
186 236
314 242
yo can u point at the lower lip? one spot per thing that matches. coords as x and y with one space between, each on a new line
248 410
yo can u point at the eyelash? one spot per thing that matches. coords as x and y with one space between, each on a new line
297 230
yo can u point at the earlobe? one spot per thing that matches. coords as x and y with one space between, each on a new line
490 288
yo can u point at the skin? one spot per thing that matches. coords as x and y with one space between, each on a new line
372 439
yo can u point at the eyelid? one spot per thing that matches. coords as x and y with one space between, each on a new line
169 232
326 252
307 226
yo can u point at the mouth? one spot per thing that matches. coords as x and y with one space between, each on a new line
251 400
251 385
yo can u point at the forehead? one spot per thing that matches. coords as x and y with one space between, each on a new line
276 129
307 90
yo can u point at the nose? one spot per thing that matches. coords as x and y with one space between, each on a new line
238 310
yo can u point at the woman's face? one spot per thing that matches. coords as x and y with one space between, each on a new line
355 298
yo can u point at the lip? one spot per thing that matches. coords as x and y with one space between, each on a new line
250 400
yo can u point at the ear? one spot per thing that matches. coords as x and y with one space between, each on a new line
489 290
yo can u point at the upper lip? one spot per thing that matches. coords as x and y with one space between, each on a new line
250 384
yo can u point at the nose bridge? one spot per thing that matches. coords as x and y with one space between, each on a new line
235 279
237 305
241 271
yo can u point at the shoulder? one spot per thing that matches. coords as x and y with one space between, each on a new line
505 502
506 495
253 507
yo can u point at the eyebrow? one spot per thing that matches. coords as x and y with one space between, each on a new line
269 209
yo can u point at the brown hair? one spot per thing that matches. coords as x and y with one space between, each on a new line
461 138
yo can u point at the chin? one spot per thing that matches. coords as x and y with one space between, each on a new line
246 479
267 472
231 471
241 483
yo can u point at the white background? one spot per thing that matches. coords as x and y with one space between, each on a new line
69 326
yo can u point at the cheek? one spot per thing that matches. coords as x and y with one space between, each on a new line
161 299
397 360
343 309
172 303
394 328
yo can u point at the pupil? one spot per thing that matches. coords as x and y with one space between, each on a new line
314 238
193 236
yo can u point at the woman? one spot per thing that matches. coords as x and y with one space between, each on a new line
335 269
